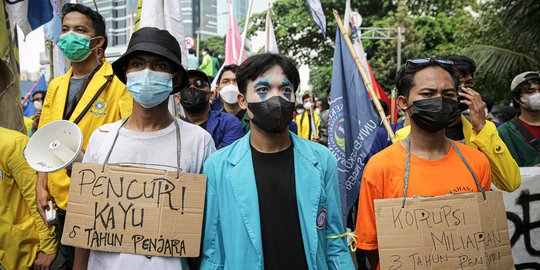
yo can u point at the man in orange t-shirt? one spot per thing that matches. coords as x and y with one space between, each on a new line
437 165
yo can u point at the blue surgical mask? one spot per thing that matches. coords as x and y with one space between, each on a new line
149 88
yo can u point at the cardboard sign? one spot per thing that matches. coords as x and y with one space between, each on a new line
135 210
523 214
445 232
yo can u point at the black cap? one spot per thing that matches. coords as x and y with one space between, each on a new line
155 41
195 72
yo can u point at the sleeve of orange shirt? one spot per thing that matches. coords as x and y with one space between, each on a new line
366 230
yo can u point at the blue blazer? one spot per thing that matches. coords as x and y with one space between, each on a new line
232 229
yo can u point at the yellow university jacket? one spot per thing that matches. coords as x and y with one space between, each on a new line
304 125
504 169
113 104
22 232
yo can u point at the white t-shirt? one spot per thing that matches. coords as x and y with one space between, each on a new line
144 149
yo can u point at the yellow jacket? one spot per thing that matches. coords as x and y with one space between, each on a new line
28 121
22 232
504 169
304 125
113 104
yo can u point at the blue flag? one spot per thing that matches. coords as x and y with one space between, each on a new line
352 124
28 106
39 12
318 15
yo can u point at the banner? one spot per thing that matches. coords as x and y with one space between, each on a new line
523 214
352 124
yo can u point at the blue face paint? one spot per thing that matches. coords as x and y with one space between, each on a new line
286 82
262 95
263 82
287 96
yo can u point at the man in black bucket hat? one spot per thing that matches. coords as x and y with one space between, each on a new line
151 137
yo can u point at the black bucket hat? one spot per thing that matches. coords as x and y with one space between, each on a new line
155 41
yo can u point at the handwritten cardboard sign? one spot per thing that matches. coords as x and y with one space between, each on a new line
444 232
523 214
135 210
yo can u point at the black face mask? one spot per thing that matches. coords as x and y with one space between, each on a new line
435 114
272 115
194 100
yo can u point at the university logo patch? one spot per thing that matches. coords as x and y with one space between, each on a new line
321 219
100 107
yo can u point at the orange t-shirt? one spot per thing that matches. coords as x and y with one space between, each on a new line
384 178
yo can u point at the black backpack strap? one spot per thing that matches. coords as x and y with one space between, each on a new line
81 115
534 142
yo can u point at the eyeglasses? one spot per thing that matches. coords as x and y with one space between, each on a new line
424 61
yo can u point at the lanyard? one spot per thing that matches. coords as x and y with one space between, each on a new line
178 148
408 166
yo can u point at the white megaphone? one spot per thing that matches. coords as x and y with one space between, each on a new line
54 146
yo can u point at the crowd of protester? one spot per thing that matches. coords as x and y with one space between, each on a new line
272 196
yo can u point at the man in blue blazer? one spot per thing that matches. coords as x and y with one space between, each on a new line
272 199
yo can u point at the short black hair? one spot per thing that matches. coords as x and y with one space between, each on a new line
405 75
256 65
40 91
304 97
206 49
324 103
232 68
191 51
98 23
516 94
463 65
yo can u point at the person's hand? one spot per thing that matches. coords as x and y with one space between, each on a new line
42 197
36 121
476 106
44 260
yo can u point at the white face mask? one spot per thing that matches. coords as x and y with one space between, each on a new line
307 105
38 105
300 111
229 94
318 111
531 102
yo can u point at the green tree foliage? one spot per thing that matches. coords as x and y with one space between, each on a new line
502 36
215 44
507 43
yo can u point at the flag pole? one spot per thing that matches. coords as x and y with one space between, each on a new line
244 34
366 80
393 105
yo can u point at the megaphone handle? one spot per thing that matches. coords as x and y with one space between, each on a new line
112 146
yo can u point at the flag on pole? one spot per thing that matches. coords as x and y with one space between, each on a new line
352 123
233 42
318 15
53 28
28 104
29 14
271 43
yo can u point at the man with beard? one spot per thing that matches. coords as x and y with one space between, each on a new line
272 199
195 99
